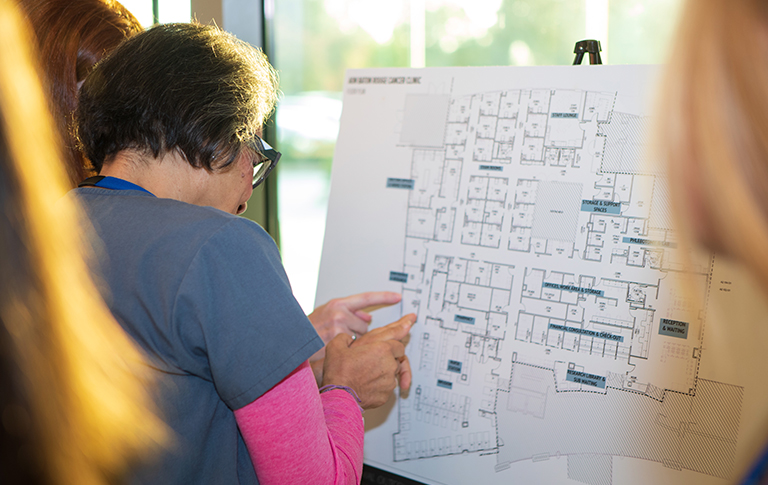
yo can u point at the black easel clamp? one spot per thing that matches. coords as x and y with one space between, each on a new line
591 46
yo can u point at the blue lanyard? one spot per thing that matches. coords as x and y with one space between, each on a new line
113 183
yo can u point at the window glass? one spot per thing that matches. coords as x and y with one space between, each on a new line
174 11
496 33
317 40
640 32
168 10
141 9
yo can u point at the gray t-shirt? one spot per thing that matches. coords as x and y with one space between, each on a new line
205 295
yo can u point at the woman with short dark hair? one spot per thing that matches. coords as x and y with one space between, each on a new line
171 119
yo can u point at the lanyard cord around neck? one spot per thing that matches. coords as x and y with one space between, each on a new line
113 183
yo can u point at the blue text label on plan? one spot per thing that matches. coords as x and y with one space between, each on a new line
584 378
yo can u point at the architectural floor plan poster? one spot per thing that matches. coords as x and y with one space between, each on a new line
515 211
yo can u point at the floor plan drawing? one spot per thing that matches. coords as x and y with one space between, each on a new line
517 212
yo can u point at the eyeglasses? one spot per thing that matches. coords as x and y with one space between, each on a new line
267 158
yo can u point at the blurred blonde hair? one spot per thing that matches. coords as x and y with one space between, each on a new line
713 129
83 378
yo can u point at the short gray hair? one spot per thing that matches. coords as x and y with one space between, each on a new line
186 87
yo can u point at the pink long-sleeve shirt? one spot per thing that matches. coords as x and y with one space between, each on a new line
296 435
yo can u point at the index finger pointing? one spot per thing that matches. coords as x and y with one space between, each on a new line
370 299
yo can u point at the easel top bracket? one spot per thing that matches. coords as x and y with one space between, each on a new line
590 46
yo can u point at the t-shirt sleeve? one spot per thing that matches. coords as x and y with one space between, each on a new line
235 319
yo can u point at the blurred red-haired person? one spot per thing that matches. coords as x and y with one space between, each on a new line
72 36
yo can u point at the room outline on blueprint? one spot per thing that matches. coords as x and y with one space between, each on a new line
538 253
